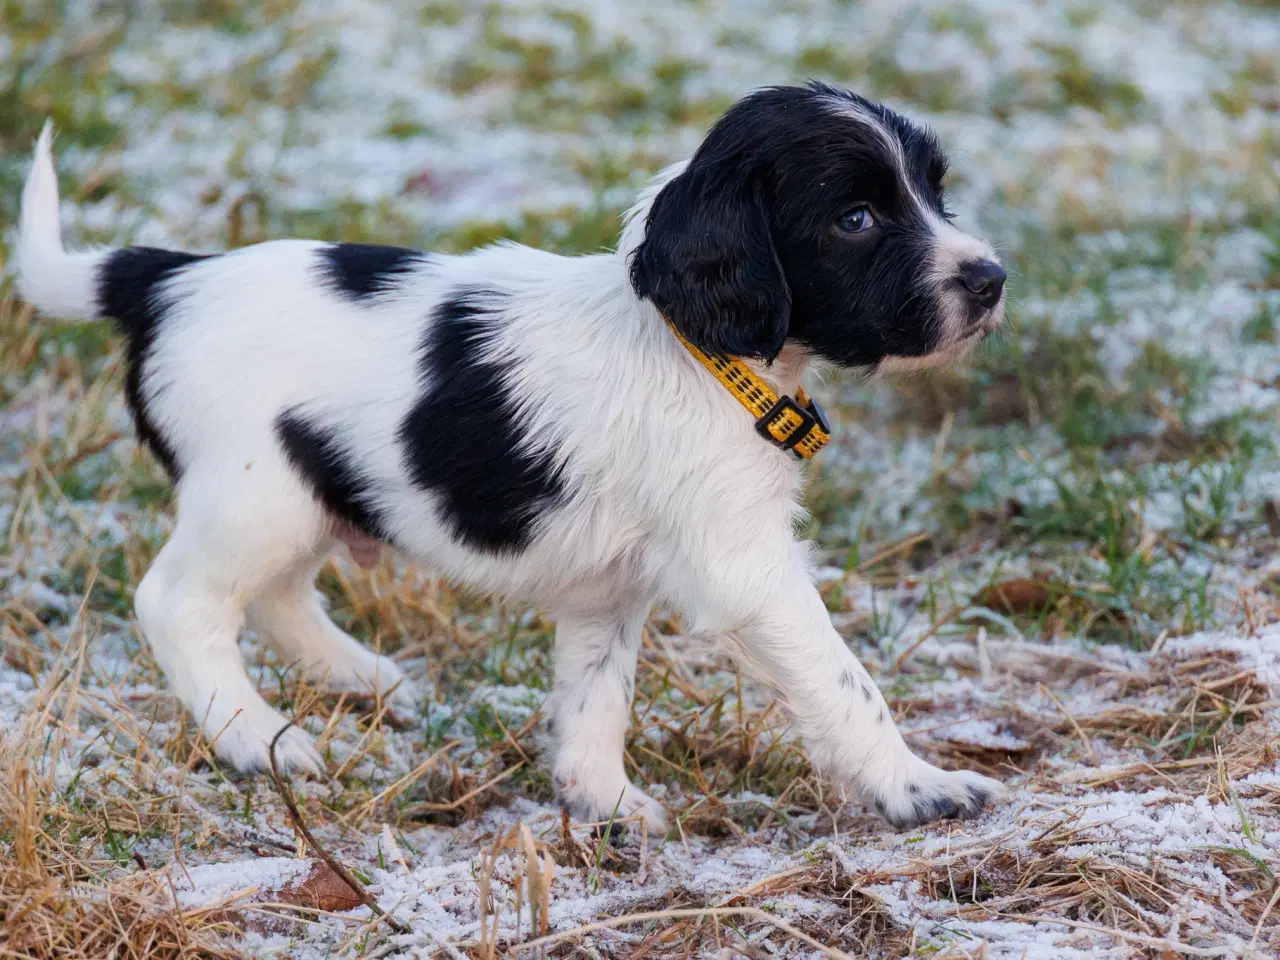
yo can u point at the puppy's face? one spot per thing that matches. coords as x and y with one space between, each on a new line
813 216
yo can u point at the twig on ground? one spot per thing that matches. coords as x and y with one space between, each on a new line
286 796
1158 943
754 913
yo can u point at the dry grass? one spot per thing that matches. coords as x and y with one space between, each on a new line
57 898
72 890
59 916
1122 501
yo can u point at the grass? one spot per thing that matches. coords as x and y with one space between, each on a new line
1019 548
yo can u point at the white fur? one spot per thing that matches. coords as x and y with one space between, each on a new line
66 291
674 498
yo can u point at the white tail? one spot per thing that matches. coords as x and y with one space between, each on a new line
55 282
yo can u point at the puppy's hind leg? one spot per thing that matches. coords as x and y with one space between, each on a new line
290 616
237 530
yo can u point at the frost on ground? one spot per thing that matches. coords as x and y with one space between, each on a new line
1060 562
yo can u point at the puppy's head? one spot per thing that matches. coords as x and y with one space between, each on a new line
813 216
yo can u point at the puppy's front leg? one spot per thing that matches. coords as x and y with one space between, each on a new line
844 720
589 708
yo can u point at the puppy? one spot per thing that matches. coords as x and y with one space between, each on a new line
590 434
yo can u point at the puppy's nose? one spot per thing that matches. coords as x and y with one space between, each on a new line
984 279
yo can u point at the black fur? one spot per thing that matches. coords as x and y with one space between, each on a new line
361 270
937 807
940 806
462 439
319 455
708 261
742 251
128 291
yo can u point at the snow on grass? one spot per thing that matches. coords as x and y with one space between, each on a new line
1116 445
210 884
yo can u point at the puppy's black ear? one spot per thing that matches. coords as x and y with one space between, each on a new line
708 262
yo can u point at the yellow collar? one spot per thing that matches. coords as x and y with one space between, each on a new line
798 424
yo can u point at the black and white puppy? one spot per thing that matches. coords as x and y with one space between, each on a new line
527 424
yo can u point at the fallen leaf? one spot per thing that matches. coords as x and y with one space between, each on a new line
319 889
1026 595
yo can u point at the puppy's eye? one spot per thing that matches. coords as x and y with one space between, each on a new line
857 220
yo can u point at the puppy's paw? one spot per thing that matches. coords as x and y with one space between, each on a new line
244 742
637 803
928 794
598 805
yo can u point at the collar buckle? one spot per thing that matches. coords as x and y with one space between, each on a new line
787 425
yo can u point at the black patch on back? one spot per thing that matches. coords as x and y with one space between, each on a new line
462 439
361 270
329 469
127 283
